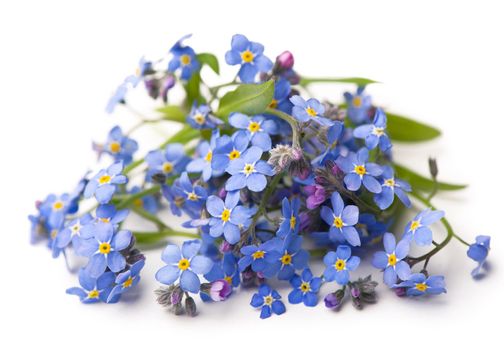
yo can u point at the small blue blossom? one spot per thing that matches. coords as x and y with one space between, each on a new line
358 105
478 252
109 214
229 150
390 186
148 203
104 249
341 220
375 134
184 58
306 288
418 228
104 184
186 196
268 300
73 232
259 257
203 162
258 129
391 260
55 208
93 290
418 285
281 96
119 146
228 218
358 171
169 163
200 118
290 259
312 109
126 280
338 264
249 171
290 217
117 98
226 269
185 264
250 56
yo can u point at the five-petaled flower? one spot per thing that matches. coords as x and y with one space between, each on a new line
375 134
312 109
358 105
338 264
185 264
418 228
258 129
92 289
390 186
358 171
184 58
418 284
119 146
170 162
341 220
268 300
229 149
104 184
260 257
290 217
306 288
290 258
200 117
391 260
203 162
249 171
126 280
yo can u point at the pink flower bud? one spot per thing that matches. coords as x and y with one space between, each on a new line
285 60
220 290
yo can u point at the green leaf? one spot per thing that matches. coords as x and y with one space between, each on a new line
210 60
420 183
192 88
249 99
173 113
403 129
354 80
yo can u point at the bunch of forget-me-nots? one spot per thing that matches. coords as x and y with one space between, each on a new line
268 179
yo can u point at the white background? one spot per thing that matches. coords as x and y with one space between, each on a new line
439 62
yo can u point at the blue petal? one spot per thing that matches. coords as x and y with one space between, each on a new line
189 282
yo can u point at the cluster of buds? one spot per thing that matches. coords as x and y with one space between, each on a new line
360 291
173 298
285 157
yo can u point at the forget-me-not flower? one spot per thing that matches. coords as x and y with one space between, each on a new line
418 285
418 228
268 300
390 187
359 171
391 260
306 288
169 162
290 217
258 129
341 220
249 171
184 58
338 264
92 289
104 184
375 134
311 109
478 252
358 105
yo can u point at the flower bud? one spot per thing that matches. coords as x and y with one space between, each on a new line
285 60
190 307
225 247
220 290
400 292
176 296
334 300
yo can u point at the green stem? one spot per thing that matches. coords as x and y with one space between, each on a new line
292 122
305 81
154 237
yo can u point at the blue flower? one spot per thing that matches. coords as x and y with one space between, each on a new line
478 252
143 67
259 257
290 259
104 249
312 109
341 220
108 213
93 290
148 203
117 98
390 186
55 208
358 171
257 128
228 218
338 264
229 150
268 300
418 228
306 288
418 285
186 196
290 218
250 56
200 118
170 162
226 269
391 260
184 58
203 164
358 105
249 171
120 146
281 96
73 232
127 279
374 134
104 184
185 264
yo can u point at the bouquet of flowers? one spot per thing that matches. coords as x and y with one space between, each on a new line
269 182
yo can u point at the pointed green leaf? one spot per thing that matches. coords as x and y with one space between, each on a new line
403 129
420 183
249 99
173 113
210 60
355 80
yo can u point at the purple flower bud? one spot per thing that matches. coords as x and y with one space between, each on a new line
400 292
168 83
355 292
176 296
222 193
316 196
225 247
220 290
331 301
285 60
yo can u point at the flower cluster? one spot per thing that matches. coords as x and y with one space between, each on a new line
267 181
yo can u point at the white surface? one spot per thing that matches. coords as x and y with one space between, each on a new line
439 63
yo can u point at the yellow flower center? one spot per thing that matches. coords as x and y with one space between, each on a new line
422 287
360 170
167 167
286 259
229 279
54 233
390 182
208 156
183 264
247 56
254 127
338 222
249 169
340 264
115 147
357 101
185 59
104 248
76 228
392 259
258 255
105 220
293 222
58 205
199 119
273 103
138 202
305 287
93 294
414 225
104 179
378 131
311 112
234 154
192 196
128 282
226 213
